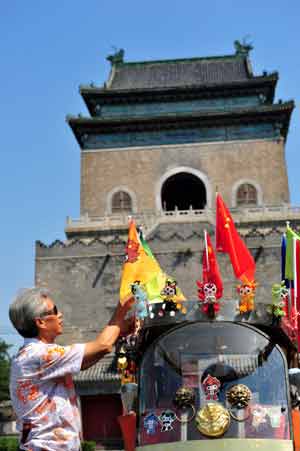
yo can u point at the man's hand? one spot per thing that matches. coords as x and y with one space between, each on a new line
119 315
95 350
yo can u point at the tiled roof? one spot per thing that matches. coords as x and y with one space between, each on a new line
94 122
179 73
102 371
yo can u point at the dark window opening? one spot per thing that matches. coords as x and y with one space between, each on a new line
183 191
246 195
121 202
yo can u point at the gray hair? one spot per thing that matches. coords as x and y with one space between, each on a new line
29 304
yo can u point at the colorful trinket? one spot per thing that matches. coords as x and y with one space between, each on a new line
166 418
278 308
140 297
211 386
151 422
209 294
247 295
169 294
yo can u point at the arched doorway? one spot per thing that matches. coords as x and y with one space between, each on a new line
183 190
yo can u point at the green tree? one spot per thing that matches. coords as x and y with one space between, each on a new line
4 370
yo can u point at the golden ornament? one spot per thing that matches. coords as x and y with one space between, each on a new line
122 363
239 396
213 420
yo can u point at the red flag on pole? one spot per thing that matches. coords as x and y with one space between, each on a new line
210 267
229 241
296 243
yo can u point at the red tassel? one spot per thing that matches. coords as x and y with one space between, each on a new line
128 428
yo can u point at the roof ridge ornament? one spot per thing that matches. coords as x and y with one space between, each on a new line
243 48
117 57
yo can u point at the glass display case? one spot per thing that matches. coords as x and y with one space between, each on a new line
234 377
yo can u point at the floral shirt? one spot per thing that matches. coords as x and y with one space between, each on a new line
43 395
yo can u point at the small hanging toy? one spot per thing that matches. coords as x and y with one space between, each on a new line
140 297
126 367
127 356
247 294
278 308
208 293
168 294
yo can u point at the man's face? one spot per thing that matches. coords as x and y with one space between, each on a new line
51 322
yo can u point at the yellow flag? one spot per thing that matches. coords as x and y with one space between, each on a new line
160 282
139 266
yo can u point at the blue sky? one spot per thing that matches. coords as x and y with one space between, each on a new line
49 48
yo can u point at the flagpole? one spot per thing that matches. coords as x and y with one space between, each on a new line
206 249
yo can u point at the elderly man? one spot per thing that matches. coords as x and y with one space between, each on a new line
41 385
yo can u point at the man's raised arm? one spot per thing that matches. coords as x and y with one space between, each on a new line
103 344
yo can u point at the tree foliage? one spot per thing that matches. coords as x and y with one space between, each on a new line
4 370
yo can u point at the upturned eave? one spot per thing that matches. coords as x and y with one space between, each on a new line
256 85
278 113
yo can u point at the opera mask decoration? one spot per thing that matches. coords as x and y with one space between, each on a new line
209 295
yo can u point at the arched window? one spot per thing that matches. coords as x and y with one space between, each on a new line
183 191
121 202
246 195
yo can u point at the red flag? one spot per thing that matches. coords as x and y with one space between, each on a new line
229 241
210 267
297 285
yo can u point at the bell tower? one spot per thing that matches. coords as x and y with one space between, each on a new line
160 137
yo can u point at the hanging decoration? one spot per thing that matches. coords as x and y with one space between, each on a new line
210 290
140 297
127 352
279 306
151 423
126 367
169 295
211 386
167 418
259 416
246 292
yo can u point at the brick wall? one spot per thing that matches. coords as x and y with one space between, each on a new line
224 164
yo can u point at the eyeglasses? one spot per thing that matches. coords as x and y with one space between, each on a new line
53 311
